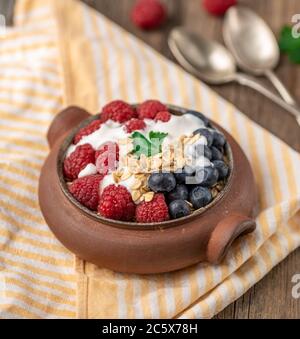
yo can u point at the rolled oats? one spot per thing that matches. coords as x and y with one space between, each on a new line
126 175
116 177
195 138
136 195
137 184
148 196
214 192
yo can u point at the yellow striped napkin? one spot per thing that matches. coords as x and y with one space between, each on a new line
61 53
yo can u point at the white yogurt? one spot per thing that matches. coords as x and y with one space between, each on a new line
108 180
176 127
112 131
128 183
89 169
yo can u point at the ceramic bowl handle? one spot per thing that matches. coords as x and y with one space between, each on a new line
64 122
224 235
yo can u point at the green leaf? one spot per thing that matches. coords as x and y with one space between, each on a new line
141 145
149 147
156 139
157 136
294 56
290 45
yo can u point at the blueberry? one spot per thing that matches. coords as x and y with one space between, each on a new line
222 168
200 197
219 139
207 176
207 134
216 154
207 152
162 182
189 170
200 116
179 192
179 208
201 150
181 175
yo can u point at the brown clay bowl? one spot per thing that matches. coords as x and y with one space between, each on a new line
130 247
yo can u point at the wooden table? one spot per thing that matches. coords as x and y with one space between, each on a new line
271 297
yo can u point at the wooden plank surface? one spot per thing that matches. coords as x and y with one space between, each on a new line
6 9
271 297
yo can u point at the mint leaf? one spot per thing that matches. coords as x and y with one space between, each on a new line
156 139
290 45
149 147
141 145
294 56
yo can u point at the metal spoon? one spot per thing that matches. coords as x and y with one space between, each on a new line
214 64
254 46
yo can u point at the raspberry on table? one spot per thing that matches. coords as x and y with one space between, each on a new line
77 161
148 14
107 157
134 125
87 130
86 190
150 108
163 116
218 7
153 211
116 203
118 111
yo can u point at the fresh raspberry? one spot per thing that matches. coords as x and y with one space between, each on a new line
77 160
110 147
153 211
87 130
218 7
107 157
116 203
148 14
134 125
163 116
86 190
118 111
149 109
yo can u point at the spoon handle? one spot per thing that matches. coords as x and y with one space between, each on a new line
245 80
282 90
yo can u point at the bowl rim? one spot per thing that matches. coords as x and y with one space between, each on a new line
176 110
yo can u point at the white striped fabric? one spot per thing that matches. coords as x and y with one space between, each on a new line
37 279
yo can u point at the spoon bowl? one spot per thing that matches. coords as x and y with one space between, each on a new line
214 64
208 59
250 40
254 46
